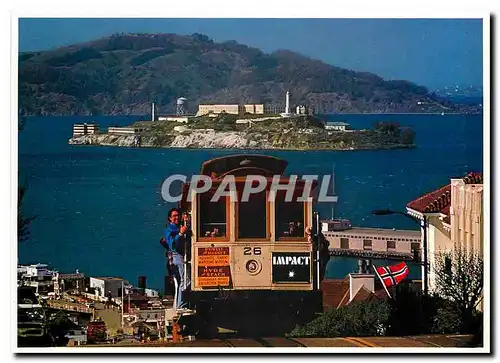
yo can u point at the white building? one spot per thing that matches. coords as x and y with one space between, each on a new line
38 277
183 119
453 216
337 126
104 285
151 293
374 239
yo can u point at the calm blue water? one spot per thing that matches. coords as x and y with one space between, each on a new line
99 209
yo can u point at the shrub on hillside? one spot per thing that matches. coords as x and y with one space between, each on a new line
357 319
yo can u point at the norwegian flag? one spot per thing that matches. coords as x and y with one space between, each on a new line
392 275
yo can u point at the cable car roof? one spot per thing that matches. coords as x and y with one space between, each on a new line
244 164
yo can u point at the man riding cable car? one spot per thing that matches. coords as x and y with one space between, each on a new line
177 235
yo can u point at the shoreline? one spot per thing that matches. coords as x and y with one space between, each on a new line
391 147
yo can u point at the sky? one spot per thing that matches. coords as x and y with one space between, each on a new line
430 52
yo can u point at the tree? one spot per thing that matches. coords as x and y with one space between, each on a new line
390 128
407 135
459 280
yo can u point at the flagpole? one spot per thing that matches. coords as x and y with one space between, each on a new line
382 281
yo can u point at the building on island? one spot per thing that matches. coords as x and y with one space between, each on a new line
231 109
453 218
174 118
303 110
85 129
337 126
125 130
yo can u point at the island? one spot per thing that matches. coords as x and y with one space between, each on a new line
249 131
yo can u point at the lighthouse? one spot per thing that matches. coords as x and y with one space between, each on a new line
287 106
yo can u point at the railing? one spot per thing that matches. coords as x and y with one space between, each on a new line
69 306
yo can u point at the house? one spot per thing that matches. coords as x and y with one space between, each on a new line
453 216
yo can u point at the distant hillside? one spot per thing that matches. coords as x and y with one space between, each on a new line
124 73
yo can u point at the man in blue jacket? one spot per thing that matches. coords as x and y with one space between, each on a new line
175 235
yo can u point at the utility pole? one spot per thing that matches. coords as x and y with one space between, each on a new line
425 262
123 302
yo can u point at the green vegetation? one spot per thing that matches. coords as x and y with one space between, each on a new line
459 280
294 133
124 73
354 320
451 309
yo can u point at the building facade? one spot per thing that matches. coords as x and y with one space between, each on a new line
181 118
452 216
374 239
231 109
337 126
466 213
85 129
125 130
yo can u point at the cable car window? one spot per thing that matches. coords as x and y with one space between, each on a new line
252 217
289 218
212 217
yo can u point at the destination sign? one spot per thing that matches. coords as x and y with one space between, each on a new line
214 276
213 267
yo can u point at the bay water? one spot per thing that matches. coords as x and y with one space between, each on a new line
100 210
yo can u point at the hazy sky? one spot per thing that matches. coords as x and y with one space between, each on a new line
430 52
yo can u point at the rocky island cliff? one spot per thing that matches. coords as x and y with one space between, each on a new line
222 132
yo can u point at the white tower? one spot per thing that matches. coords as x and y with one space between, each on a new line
152 111
287 106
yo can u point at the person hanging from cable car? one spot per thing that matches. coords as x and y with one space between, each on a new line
176 236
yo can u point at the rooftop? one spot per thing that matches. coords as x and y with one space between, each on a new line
438 201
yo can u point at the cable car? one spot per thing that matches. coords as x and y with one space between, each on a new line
252 263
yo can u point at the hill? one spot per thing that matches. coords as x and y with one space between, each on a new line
124 73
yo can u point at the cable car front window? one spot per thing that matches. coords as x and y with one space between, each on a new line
212 217
252 217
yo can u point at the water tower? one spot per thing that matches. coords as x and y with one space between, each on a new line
182 106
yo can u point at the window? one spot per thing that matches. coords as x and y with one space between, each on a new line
367 244
252 218
212 217
391 244
289 218
344 243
